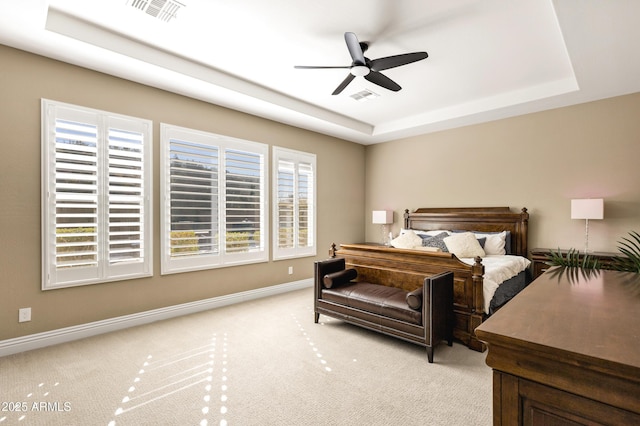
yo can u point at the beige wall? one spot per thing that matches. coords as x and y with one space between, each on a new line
539 161
24 80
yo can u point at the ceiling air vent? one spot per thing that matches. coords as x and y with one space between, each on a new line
365 95
164 10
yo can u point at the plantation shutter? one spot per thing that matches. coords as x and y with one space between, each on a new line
96 186
193 199
306 207
75 196
126 215
214 211
243 200
286 204
294 210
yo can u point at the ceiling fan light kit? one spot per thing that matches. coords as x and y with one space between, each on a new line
367 68
360 70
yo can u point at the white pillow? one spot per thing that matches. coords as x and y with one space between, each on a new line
494 243
407 240
464 244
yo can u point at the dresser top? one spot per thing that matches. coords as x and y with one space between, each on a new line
567 313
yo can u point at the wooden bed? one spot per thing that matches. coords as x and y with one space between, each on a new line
377 263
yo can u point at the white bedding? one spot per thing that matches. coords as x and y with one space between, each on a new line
497 269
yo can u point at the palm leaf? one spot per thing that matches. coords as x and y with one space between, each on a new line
572 259
630 248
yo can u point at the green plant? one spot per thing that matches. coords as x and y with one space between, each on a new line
630 248
573 259
573 265
75 246
237 241
183 242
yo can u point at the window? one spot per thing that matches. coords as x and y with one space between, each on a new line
214 210
96 186
294 212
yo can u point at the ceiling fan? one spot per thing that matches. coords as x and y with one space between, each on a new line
367 68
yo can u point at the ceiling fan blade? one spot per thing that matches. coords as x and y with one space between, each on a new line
397 60
313 67
344 84
383 81
355 50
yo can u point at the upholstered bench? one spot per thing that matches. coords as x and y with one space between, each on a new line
378 299
423 316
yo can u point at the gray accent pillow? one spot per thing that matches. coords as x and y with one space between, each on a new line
482 241
436 241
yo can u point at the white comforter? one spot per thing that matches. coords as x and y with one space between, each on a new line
497 269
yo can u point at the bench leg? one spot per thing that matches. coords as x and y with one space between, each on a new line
317 317
430 354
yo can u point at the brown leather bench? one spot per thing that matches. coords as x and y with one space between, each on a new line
423 316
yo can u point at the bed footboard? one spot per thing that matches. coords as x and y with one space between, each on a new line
406 269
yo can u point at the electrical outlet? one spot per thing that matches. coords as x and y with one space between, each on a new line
24 314
290 270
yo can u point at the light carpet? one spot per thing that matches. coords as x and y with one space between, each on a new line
261 362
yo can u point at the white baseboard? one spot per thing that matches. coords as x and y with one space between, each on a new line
67 334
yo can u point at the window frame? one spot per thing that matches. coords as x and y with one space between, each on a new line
172 264
285 154
106 268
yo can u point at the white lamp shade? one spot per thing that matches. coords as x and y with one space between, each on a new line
383 217
590 208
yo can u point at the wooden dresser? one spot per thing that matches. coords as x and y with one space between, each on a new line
566 351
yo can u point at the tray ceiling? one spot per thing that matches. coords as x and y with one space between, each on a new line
488 59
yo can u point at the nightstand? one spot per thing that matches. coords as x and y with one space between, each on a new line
541 255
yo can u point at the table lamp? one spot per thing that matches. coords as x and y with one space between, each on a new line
384 218
589 208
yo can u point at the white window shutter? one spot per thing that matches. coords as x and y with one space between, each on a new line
295 207
214 212
126 196
286 204
96 196
306 205
243 201
75 194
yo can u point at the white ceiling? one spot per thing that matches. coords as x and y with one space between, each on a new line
488 59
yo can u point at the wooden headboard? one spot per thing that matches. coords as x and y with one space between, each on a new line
485 219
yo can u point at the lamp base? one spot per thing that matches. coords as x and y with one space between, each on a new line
385 238
586 237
